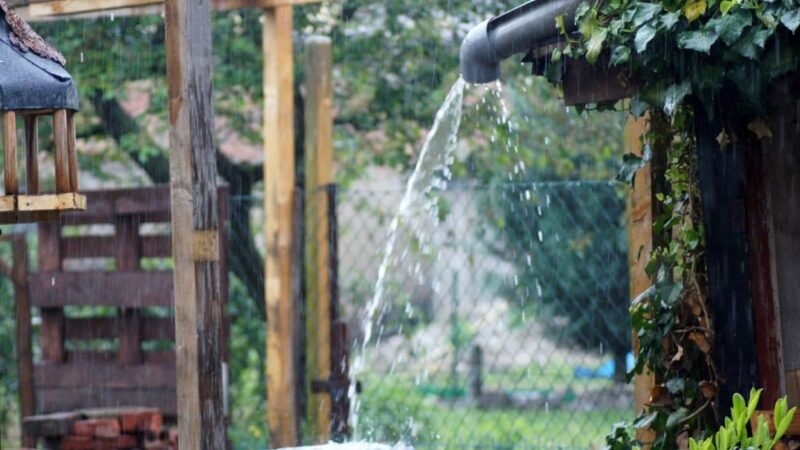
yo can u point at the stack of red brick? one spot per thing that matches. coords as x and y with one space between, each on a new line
109 429
140 429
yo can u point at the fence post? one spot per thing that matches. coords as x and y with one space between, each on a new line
318 63
641 211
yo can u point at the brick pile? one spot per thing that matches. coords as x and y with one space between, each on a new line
139 429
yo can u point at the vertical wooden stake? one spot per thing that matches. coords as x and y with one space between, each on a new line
318 66
128 246
195 226
32 154
27 406
641 203
51 332
279 179
11 177
72 152
62 152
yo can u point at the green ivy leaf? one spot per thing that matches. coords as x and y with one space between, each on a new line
645 12
791 19
581 11
595 44
694 9
755 39
699 41
675 385
630 165
620 55
669 20
675 95
644 35
730 27
676 416
725 6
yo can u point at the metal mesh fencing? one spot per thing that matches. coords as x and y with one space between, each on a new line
503 322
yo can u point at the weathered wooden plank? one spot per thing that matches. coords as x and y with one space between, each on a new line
782 164
39 10
278 224
148 357
99 375
24 335
49 425
10 175
199 308
105 246
51 334
766 317
152 328
58 202
32 155
318 155
61 143
584 83
120 289
641 211
59 399
129 253
72 152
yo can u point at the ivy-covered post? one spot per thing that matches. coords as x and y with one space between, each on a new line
641 212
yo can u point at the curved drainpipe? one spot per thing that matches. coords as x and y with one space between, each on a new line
512 32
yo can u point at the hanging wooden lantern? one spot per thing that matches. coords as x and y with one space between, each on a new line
33 85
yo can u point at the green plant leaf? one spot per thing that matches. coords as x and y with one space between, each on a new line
630 165
791 19
645 12
739 407
694 9
669 20
699 41
730 27
675 95
676 416
620 55
725 6
644 35
676 385
780 430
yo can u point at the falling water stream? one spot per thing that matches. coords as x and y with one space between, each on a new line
415 215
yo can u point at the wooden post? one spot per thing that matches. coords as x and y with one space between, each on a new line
11 177
61 138
641 211
129 250
279 180
24 344
318 67
51 332
32 155
195 226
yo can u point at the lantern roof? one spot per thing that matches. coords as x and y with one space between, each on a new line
32 73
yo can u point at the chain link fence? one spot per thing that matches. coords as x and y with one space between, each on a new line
504 320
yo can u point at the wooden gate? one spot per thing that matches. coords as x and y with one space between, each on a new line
104 290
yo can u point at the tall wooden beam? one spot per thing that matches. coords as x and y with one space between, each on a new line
279 185
63 8
195 225
641 211
318 155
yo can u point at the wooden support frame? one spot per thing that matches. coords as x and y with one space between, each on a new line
318 155
279 179
642 209
193 200
77 8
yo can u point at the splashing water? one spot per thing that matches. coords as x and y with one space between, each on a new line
418 212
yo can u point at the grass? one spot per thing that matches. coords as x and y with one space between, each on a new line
393 410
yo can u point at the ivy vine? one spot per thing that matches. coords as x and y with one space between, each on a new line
687 57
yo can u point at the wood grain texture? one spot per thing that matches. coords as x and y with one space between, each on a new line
279 180
72 152
24 334
51 333
318 155
641 211
61 143
119 289
199 308
10 175
32 155
57 8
